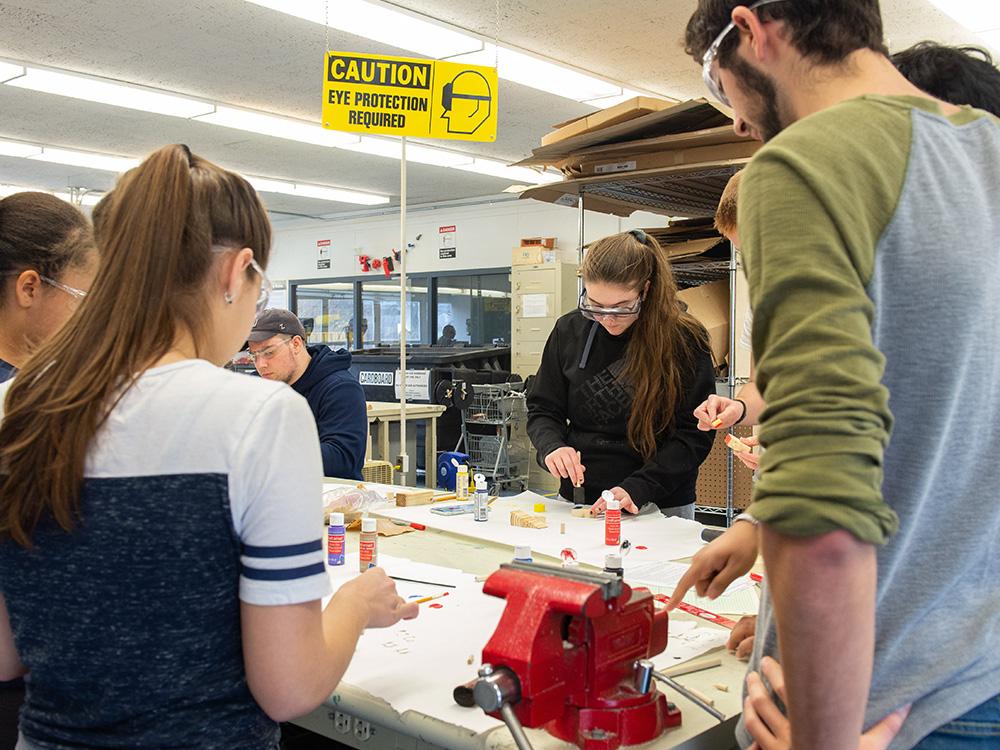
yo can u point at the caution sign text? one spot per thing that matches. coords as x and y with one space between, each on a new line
381 95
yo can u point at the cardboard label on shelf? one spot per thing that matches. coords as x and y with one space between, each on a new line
418 385
383 95
618 166
567 200
368 377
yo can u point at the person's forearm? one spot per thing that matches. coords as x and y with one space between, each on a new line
823 590
343 624
750 396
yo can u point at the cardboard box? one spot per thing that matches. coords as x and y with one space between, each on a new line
629 110
635 162
546 242
709 303
526 256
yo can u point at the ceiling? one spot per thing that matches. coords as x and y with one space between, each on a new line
234 52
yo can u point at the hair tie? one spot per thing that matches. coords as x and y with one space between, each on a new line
640 235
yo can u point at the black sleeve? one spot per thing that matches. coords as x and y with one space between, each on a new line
684 448
547 401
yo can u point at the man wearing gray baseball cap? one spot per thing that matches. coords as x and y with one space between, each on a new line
279 351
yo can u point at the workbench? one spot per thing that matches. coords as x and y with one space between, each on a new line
358 719
384 418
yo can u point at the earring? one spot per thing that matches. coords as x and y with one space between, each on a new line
228 297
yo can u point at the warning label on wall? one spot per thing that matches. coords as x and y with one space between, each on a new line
381 95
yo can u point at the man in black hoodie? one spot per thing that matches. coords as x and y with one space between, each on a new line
279 352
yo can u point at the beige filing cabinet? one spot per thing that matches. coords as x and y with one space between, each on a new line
542 293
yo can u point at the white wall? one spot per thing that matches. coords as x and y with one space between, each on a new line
485 236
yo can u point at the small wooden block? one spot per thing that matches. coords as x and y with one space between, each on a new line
410 498
562 528
737 445
721 688
527 521
587 511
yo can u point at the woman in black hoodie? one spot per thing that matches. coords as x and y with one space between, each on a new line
611 406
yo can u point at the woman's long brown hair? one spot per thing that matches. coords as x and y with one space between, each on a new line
156 230
664 340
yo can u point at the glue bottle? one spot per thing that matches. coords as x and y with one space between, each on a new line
613 564
368 556
335 537
612 519
522 554
462 482
480 509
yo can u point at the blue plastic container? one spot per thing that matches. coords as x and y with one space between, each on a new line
446 470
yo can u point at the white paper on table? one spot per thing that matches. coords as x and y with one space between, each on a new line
689 643
416 664
654 538
742 601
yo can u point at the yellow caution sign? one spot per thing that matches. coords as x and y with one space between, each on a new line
380 95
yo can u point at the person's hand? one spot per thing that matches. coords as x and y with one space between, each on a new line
771 729
719 563
741 638
750 460
564 463
725 409
376 592
621 496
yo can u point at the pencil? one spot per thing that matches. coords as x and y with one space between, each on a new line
430 598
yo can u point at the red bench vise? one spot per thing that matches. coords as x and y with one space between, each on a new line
570 654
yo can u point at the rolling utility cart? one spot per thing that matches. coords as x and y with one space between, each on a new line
494 433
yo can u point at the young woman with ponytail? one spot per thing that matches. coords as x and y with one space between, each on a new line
611 406
161 564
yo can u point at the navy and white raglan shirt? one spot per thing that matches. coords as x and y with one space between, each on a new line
202 490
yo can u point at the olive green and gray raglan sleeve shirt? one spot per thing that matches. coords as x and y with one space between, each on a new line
871 232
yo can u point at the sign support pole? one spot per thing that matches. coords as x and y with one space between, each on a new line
404 462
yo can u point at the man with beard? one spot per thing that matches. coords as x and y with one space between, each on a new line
891 196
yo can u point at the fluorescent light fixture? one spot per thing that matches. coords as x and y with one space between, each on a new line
495 168
85 159
430 38
88 199
10 70
975 15
23 150
275 126
991 38
392 149
110 92
319 192
381 24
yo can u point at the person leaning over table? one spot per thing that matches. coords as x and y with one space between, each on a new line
611 405
161 557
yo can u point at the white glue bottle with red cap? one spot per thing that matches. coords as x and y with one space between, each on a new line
612 519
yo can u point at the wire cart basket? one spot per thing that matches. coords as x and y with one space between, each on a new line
495 435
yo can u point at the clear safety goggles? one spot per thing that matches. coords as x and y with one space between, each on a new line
593 312
711 75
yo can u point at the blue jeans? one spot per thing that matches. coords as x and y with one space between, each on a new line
979 728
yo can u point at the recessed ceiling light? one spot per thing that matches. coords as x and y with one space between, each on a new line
114 93
319 192
85 159
380 23
495 168
10 70
275 126
23 150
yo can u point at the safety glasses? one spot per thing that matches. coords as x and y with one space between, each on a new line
72 291
710 75
594 312
265 354
265 283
